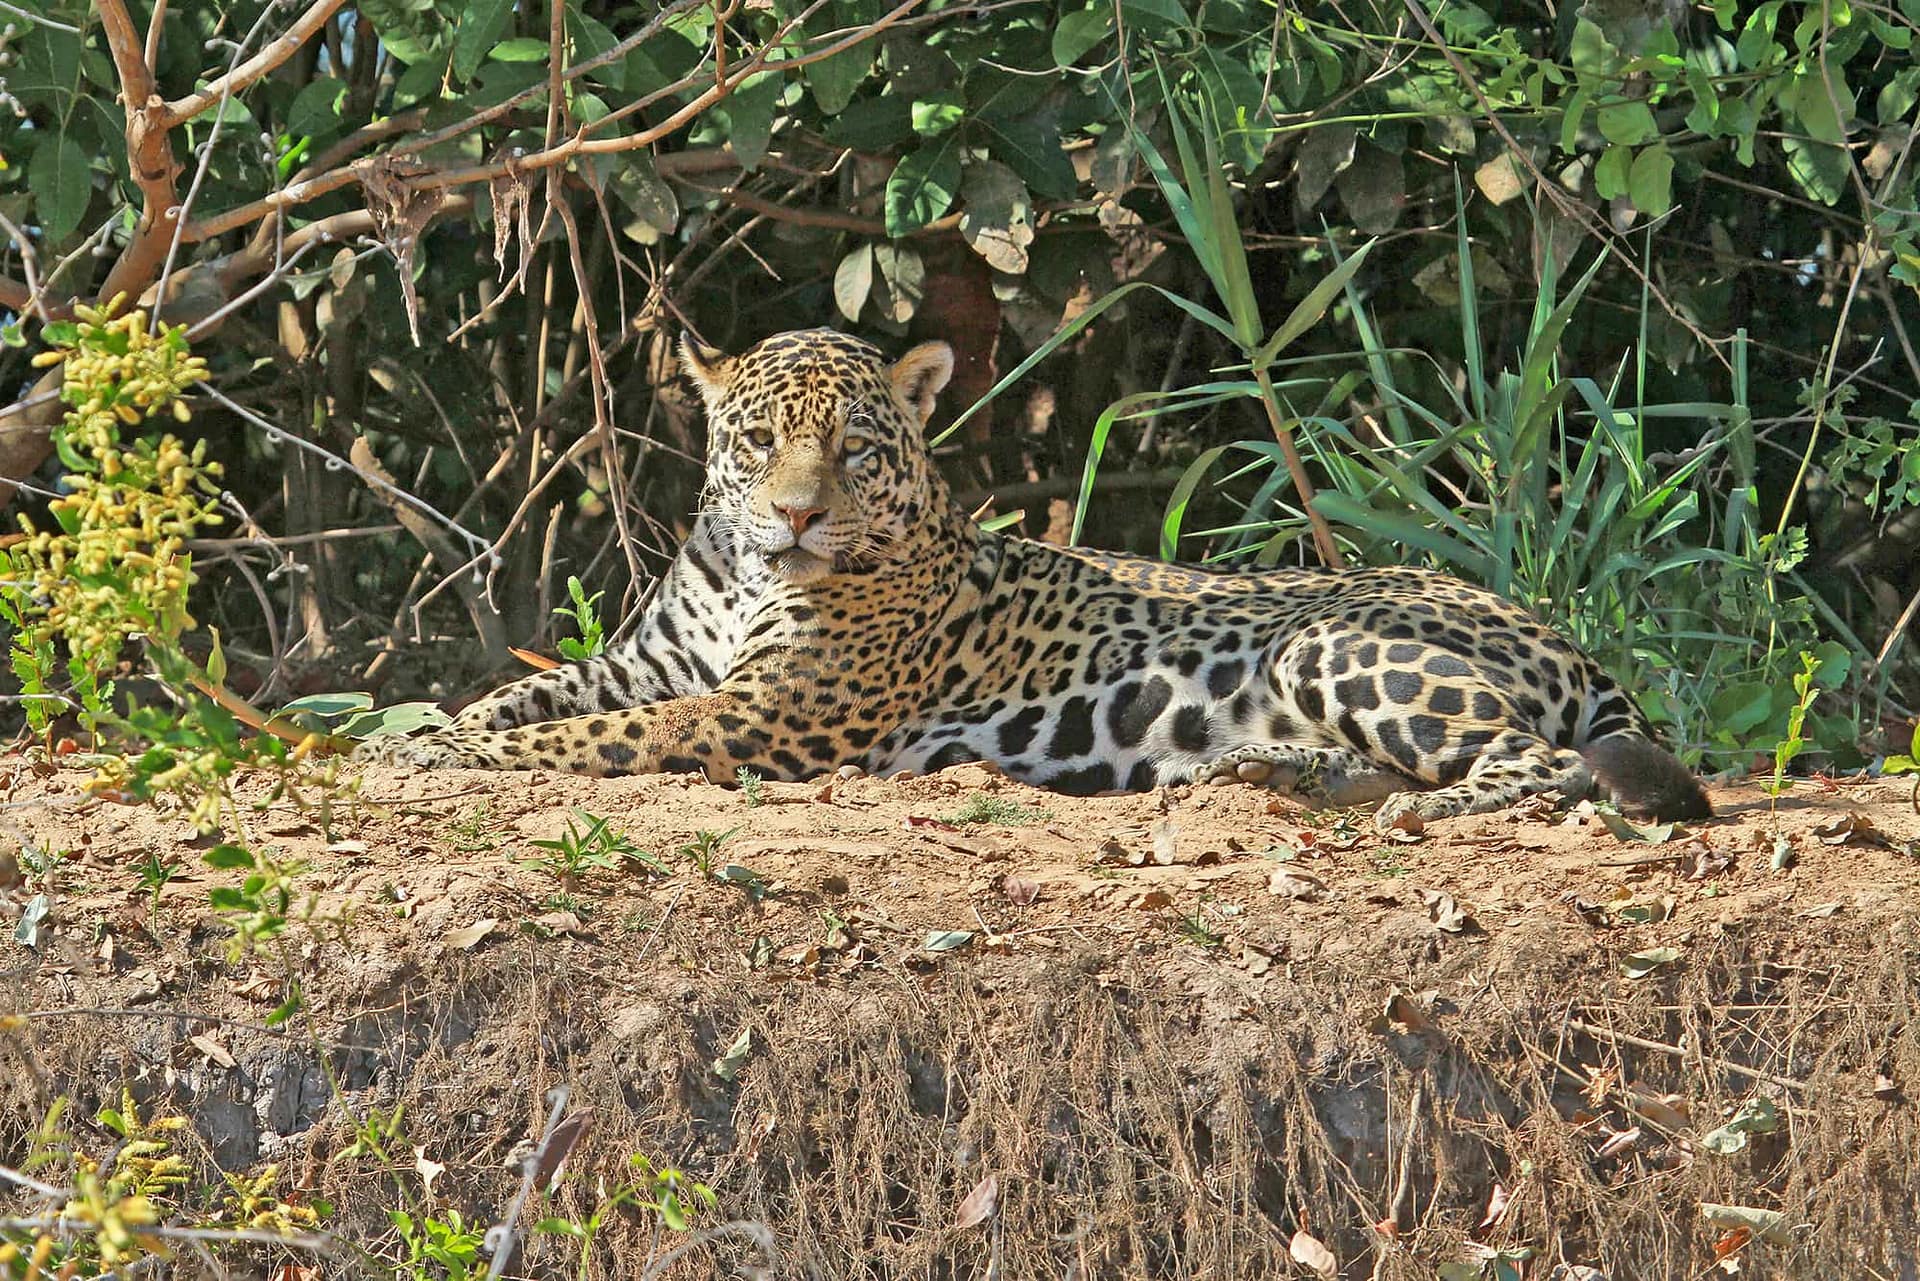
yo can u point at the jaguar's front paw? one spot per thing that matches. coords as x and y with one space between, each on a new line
425 751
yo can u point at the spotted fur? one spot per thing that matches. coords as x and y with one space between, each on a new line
833 605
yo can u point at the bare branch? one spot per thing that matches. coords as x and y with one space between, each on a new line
276 52
149 155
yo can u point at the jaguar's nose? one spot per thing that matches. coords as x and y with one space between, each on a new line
801 518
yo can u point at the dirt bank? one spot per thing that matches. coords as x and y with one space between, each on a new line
953 1027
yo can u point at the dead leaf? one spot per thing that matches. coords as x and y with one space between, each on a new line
347 847
427 1170
538 662
1406 827
1885 1087
1640 964
1291 882
1617 1142
728 1065
1769 1225
1163 833
946 940
1703 861
1446 915
979 1204
562 923
260 987
1309 1253
466 937
215 1052
1019 891
1666 1110
1496 1206
1403 1014
921 820
1819 912
1657 834
1151 900
1851 828
552 1156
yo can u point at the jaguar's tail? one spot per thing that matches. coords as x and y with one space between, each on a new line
1645 779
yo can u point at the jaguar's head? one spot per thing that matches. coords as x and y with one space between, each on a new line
816 458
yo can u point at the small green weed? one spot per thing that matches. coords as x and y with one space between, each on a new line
476 831
704 848
1194 928
1804 692
438 1248
598 847
585 613
750 786
985 807
663 1193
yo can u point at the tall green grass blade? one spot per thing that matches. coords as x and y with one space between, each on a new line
1398 529
1189 481
1074 326
1469 307
1307 312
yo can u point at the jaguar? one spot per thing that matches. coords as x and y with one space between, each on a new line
833 605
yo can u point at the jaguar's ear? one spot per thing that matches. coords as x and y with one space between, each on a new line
711 369
918 376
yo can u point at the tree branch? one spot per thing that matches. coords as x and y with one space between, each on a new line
277 51
300 192
149 155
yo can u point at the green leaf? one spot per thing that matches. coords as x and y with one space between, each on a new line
227 857
327 706
1079 32
1155 17
1613 174
923 185
316 108
590 40
225 898
1031 145
750 108
1742 707
1650 181
478 31
400 718
59 176
833 80
1756 1116
1835 663
873 124
1627 124
1392 528
522 49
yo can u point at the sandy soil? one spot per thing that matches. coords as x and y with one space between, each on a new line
1507 980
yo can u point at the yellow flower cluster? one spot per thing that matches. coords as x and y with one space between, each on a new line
117 566
252 1204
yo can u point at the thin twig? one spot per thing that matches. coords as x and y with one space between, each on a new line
239 77
1678 1052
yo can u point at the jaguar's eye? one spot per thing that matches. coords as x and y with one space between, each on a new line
853 445
760 438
